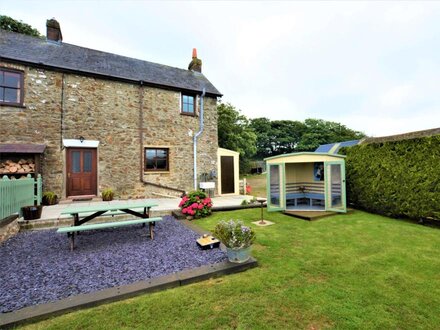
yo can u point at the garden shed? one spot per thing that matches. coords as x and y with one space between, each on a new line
306 181
228 171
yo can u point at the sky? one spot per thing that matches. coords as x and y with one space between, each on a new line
372 66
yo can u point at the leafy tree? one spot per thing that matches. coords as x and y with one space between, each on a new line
263 129
286 136
9 24
318 131
235 133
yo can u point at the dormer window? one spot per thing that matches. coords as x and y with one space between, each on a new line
11 87
188 105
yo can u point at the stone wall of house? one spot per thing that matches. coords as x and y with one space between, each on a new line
39 121
66 106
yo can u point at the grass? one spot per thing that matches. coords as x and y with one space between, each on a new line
347 272
258 184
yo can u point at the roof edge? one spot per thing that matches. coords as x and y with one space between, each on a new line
98 75
308 153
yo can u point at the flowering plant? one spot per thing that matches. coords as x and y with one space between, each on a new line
233 234
196 204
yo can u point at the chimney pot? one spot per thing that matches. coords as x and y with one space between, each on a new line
195 64
53 30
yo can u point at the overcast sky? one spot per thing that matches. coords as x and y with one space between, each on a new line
373 66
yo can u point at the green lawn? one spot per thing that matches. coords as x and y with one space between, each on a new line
349 272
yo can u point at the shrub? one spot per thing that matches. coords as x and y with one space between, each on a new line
397 179
233 234
196 204
49 198
107 194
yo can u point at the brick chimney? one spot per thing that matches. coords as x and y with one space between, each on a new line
53 30
195 64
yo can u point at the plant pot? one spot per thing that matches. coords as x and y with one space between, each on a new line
48 201
31 212
239 255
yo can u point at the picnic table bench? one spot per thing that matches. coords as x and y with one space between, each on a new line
92 211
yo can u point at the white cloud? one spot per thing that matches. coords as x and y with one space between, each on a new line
372 66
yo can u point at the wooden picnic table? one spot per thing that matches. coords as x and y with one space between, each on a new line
83 214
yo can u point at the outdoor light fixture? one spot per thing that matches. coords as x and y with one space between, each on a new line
81 139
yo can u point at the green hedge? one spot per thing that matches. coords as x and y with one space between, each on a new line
397 179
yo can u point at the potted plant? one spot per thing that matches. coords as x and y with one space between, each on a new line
107 194
237 238
196 204
31 212
49 198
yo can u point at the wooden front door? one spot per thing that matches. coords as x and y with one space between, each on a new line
227 169
81 171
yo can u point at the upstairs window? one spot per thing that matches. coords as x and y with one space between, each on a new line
156 159
11 87
188 105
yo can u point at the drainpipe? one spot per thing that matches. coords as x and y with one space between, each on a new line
196 136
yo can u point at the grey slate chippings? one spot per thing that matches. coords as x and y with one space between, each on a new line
38 267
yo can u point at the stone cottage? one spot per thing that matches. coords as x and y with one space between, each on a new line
100 120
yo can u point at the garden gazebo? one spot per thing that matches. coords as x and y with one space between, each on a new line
306 181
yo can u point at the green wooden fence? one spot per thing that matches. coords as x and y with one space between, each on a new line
14 194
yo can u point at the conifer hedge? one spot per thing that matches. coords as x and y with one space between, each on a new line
396 179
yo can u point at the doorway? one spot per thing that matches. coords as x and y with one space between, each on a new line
227 174
81 172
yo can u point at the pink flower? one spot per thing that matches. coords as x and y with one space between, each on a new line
194 205
185 210
201 206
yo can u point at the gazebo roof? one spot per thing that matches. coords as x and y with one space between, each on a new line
314 156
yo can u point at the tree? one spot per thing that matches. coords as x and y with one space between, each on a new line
9 24
235 133
263 130
318 131
286 136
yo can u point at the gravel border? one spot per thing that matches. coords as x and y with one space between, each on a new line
38 267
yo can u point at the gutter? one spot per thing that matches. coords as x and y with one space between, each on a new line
202 124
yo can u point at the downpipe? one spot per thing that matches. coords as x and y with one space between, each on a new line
197 135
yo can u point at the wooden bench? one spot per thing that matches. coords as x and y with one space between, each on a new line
311 193
74 229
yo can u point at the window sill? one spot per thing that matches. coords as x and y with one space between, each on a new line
12 105
156 172
188 114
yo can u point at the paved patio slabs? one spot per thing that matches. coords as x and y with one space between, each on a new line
108 265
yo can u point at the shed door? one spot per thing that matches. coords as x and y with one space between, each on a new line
334 176
227 169
81 171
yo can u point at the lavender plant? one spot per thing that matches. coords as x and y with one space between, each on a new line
234 234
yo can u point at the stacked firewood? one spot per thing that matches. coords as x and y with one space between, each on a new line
23 166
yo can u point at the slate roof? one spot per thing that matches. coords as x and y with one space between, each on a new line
333 148
64 56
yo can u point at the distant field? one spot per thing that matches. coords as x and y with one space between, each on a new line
258 184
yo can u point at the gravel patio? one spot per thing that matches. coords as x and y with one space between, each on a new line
38 267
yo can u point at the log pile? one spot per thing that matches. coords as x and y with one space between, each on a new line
23 166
